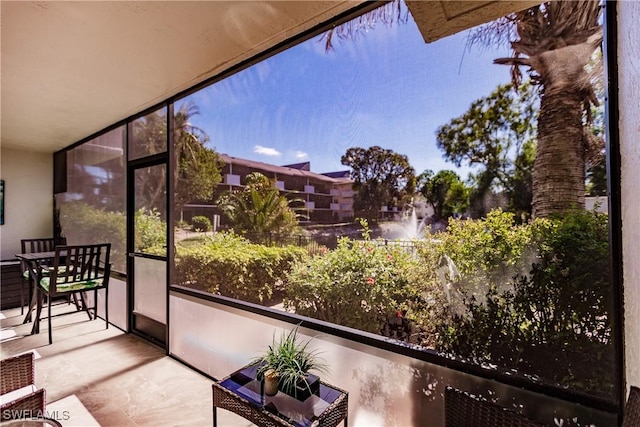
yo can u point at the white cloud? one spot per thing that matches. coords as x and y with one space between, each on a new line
301 155
266 151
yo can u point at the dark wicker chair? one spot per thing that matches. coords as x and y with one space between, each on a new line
465 410
76 270
17 387
31 405
631 417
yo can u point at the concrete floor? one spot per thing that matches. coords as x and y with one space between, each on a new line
103 377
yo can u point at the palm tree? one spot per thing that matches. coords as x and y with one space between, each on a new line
556 41
197 170
259 208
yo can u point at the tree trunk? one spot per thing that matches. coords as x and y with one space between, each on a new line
559 174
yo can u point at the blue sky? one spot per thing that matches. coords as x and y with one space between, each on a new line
387 88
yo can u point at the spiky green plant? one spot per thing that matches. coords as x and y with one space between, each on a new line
292 360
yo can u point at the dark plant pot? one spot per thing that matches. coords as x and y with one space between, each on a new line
304 390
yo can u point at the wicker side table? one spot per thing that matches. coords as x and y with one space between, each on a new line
242 394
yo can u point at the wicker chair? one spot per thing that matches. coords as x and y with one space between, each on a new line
17 387
464 410
29 406
631 416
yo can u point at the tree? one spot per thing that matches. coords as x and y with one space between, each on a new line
259 208
444 191
556 41
197 167
381 177
496 132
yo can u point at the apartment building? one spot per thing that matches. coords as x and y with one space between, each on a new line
324 197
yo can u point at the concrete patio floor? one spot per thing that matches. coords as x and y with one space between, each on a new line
103 377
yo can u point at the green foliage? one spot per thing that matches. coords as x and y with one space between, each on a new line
359 284
597 180
229 265
150 231
197 169
201 223
291 360
259 208
381 177
444 191
488 251
83 224
554 320
182 224
497 132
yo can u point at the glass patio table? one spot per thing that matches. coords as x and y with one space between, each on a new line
243 394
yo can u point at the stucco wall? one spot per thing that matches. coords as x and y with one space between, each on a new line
28 204
629 80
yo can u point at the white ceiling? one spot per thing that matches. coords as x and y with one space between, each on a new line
72 68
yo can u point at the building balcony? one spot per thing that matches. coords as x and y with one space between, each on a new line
231 179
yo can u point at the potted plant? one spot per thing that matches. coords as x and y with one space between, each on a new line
286 364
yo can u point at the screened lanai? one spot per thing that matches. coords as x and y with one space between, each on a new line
161 135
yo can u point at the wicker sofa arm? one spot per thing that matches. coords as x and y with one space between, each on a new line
17 372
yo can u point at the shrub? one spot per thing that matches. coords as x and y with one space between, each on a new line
84 224
488 252
150 232
229 265
181 224
554 321
359 284
200 223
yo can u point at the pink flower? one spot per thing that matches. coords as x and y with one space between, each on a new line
369 249
390 257
323 250
370 281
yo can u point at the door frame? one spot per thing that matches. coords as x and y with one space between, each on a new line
154 328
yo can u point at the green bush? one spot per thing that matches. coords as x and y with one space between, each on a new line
181 224
200 223
554 320
359 284
150 232
84 224
489 251
229 265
